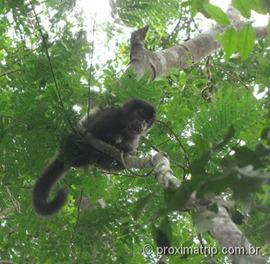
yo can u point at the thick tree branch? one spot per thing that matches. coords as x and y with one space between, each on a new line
231 237
225 231
183 55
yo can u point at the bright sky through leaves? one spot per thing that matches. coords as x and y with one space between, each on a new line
102 11
98 13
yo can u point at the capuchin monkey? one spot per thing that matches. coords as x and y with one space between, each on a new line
121 127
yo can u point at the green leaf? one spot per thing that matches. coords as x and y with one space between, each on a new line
195 6
228 136
265 231
245 157
229 42
246 41
216 13
243 6
263 209
140 206
260 6
265 134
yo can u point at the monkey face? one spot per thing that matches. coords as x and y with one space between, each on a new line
146 121
140 116
138 126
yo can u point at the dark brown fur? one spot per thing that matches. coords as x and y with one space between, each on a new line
121 127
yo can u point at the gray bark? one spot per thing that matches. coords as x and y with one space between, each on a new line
183 55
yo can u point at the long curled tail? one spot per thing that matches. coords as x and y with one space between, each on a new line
44 184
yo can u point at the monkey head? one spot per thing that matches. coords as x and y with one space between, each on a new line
139 116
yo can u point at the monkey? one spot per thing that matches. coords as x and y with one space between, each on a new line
121 127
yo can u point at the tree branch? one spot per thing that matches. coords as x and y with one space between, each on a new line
159 162
183 55
9 72
225 231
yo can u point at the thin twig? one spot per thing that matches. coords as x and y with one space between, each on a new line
234 77
44 41
134 175
18 187
14 119
78 209
177 139
90 71
7 73
77 221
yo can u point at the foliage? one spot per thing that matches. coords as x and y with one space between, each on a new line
218 147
